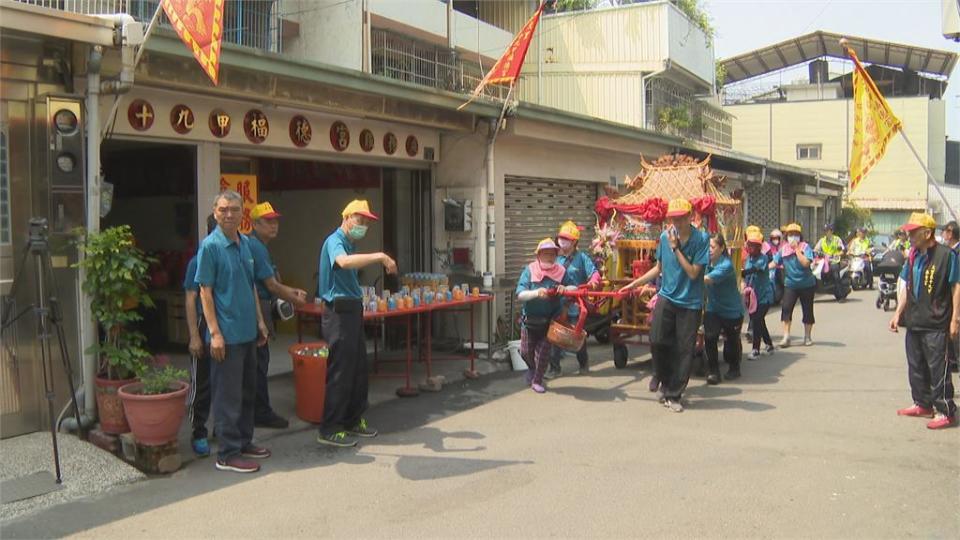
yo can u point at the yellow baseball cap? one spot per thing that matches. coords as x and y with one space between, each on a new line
570 231
755 237
546 243
679 207
358 206
264 210
793 227
754 229
919 220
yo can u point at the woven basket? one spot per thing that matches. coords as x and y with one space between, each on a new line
566 337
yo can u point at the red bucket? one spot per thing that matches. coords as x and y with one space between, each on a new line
309 379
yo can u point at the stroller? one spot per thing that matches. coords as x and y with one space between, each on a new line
888 272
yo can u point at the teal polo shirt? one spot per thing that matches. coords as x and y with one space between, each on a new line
335 282
795 276
541 307
723 296
227 267
675 285
760 281
190 284
579 268
263 264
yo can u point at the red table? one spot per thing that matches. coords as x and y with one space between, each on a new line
406 316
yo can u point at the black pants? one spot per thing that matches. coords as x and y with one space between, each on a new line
790 297
557 354
234 381
953 347
673 338
713 326
758 322
262 410
347 378
931 383
200 404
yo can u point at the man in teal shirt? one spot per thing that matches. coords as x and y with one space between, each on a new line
266 226
682 254
342 324
225 272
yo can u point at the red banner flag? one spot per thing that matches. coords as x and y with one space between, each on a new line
507 69
199 23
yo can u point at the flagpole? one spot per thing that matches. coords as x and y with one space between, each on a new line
930 178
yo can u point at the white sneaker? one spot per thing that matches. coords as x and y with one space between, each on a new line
754 354
807 341
785 342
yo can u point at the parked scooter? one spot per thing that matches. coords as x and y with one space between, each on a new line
833 276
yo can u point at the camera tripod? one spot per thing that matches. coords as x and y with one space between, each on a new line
46 309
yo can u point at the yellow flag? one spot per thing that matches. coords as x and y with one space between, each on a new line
874 124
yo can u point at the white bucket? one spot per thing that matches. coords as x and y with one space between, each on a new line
516 361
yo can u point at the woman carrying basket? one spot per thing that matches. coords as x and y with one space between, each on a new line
540 306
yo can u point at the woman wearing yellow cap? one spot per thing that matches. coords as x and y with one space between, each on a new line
539 308
796 257
579 270
756 273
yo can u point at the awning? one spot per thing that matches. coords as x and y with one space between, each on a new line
820 43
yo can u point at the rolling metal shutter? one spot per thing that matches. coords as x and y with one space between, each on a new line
534 210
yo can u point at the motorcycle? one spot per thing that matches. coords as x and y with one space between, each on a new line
859 266
823 269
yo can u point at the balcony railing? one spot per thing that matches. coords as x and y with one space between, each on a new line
403 58
673 109
251 23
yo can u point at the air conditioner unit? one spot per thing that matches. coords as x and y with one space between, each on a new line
951 19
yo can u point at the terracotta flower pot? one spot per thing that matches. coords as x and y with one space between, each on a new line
112 418
154 419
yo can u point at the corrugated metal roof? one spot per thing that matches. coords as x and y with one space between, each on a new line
891 204
820 43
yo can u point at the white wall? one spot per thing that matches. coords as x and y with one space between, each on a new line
330 32
428 20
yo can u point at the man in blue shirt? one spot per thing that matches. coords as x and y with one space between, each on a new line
266 226
682 254
928 305
579 270
200 400
225 272
342 324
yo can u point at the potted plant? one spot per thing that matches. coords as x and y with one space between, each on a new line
115 278
156 404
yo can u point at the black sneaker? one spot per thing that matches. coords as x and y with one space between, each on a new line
274 422
362 430
732 374
339 439
713 378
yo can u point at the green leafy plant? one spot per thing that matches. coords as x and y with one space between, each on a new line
851 217
160 380
675 118
721 74
699 17
115 277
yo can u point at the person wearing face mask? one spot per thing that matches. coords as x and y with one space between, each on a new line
724 313
928 306
799 283
578 270
342 324
266 227
682 253
537 281
765 248
757 276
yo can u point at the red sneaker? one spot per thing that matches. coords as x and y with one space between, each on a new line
940 421
916 410
237 464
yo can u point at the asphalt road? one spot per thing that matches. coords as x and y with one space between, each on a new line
806 444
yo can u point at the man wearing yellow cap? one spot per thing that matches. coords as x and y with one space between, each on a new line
266 226
682 253
342 322
579 270
928 306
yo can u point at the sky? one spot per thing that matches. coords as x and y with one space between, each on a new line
745 25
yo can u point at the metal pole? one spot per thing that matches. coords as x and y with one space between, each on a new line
146 35
930 178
